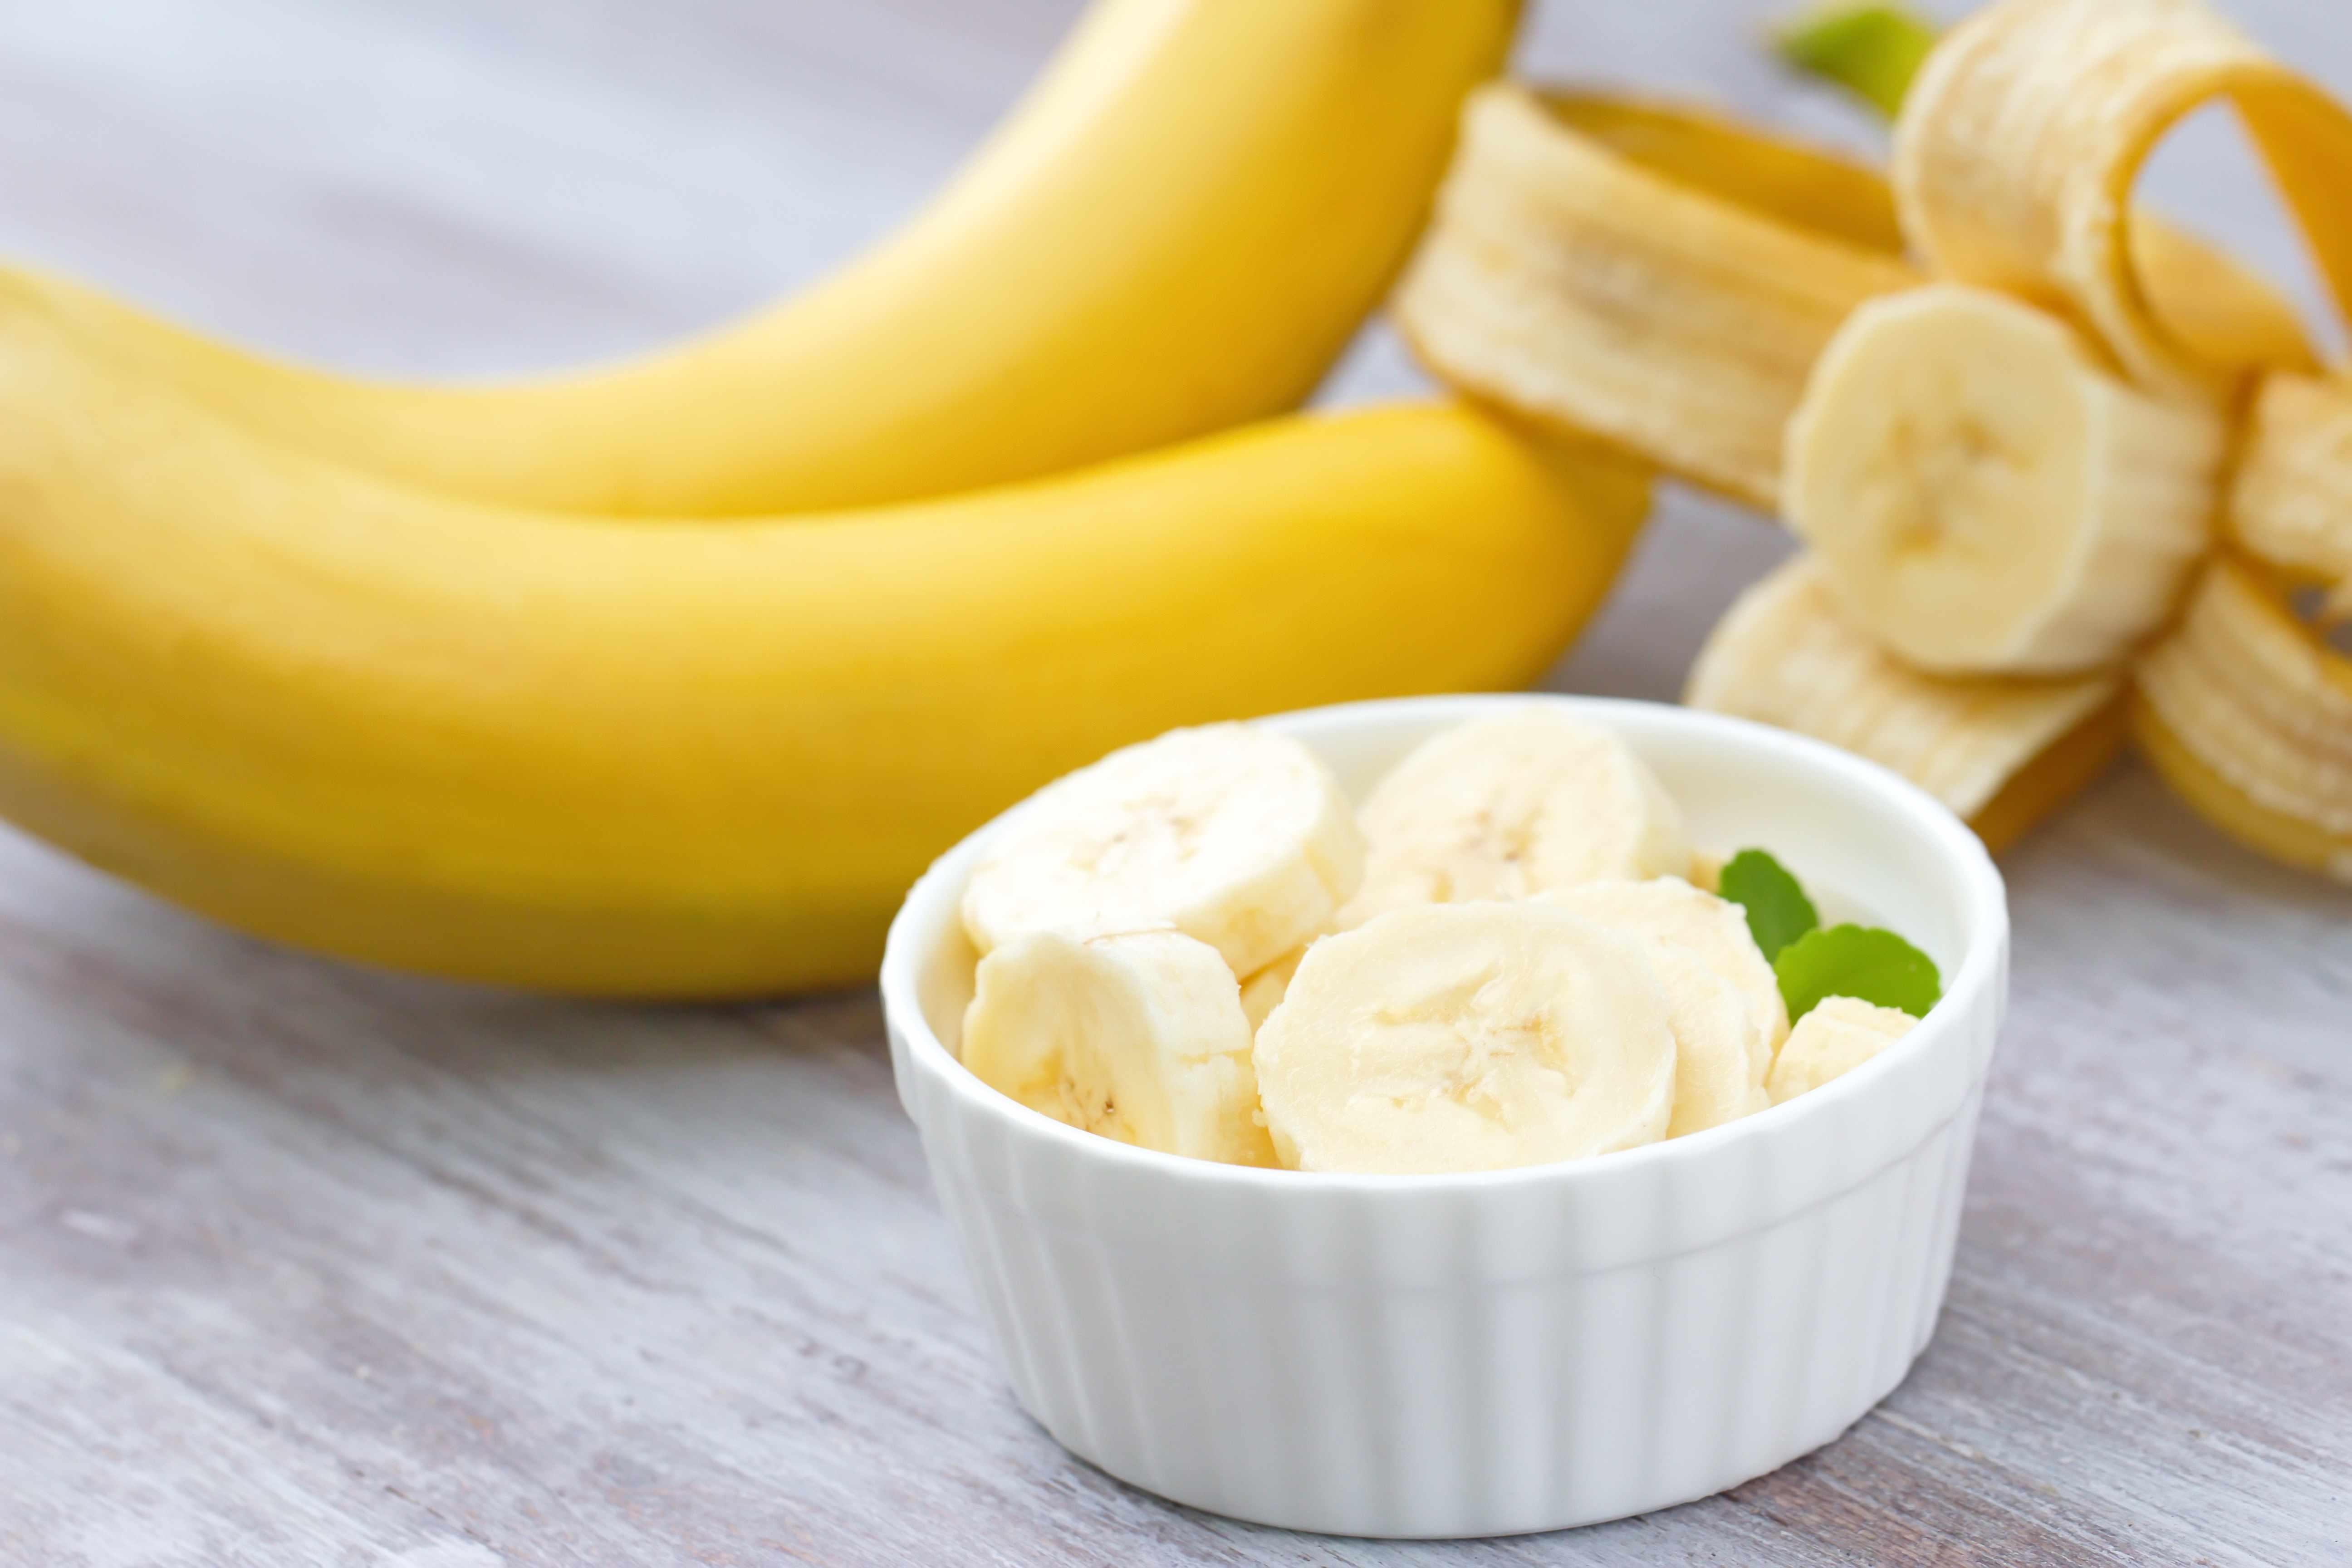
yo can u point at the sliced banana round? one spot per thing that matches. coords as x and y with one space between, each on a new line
1262 993
1717 1076
1136 1036
1983 499
1467 1036
1839 1035
1507 806
1229 833
1700 926
2003 753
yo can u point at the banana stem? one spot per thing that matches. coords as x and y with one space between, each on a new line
1871 49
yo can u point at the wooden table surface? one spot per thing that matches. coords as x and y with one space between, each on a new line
302 1265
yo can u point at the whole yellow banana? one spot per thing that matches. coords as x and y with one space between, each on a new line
1177 232
597 756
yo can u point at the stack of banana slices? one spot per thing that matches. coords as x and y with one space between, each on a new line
1195 946
2063 473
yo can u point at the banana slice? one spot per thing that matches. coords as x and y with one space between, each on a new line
1136 1036
1262 993
1468 1037
1228 833
1718 1071
2019 143
1983 499
2001 754
2292 501
1703 927
1507 806
2248 714
1657 277
1838 1035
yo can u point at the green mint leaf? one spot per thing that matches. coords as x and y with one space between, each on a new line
1778 911
1872 50
1862 961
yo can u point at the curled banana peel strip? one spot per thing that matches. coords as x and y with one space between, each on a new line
594 756
2001 754
1654 276
2248 714
1179 230
2019 143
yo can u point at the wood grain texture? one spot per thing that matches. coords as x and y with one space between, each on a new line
300 1264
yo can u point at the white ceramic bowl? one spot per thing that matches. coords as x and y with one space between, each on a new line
1508 1350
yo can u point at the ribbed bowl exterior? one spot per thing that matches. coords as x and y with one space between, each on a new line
1454 1357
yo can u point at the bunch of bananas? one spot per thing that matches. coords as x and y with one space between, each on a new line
667 679
2062 472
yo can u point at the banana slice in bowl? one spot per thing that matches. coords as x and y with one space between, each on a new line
1836 1036
1508 806
1228 833
1721 1075
1467 1036
1139 1036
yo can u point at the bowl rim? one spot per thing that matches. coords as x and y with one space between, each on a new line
1968 991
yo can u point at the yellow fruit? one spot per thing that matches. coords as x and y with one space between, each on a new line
2018 147
2248 714
600 757
1665 278
1177 232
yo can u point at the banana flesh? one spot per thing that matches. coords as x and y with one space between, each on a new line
1656 276
1508 806
2019 143
1982 500
1137 1036
2292 502
2003 753
1178 231
1263 992
1707 957
1694 922
1836 1036
2249 715
1467 1036
1232 835
597 757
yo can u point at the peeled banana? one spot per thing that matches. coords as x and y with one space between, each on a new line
2291 503
1665 278
1177 232
2018 145
1658 276
2248 714
594 756
2003 753
1982 500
